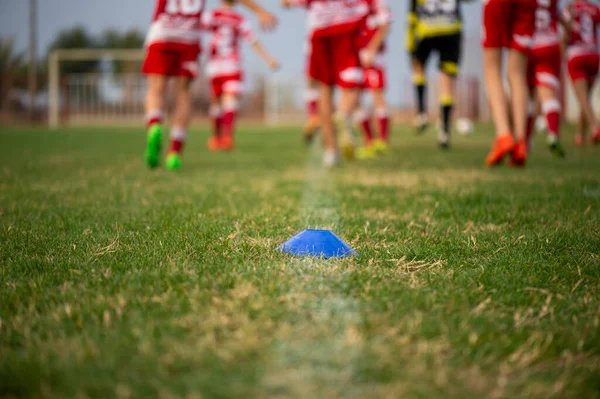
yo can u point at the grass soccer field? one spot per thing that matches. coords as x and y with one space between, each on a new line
117 281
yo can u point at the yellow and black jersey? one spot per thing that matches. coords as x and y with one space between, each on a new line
433 18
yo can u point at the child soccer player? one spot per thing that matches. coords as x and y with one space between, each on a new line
508 24
334 61
372 44
224 68
582 62
312 87
544 72
173 46
435 26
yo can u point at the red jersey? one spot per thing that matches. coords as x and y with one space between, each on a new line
227 28
585 17
176 23
379 15
335 17
546 34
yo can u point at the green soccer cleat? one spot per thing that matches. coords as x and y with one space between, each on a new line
153 145
173 161
556 147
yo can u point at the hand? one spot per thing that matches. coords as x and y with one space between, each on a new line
367 57
286 3
267 20
274 65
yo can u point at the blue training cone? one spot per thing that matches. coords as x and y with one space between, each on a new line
319 243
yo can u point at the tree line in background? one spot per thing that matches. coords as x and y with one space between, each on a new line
14 66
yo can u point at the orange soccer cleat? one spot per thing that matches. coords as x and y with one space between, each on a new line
519 154
213 144
502 146
579 139
227 144
596 137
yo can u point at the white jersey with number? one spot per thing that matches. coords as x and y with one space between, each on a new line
227 28
176 23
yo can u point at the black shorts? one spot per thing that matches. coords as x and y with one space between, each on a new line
449 48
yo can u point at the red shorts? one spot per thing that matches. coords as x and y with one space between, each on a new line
509 24
544 68
229 84
334 61
374 78
175 61
583 67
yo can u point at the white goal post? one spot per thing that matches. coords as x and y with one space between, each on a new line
57 57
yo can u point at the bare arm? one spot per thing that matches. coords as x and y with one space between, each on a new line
267 20
377 40
293 3
265 55
384 21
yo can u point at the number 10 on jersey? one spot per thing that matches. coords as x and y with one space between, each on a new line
186 7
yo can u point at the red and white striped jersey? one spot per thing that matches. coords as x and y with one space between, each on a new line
334 17
547 32
585 18
227 27
176 23
379 15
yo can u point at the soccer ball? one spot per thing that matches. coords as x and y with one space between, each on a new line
464 126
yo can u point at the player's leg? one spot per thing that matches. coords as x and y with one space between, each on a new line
382 116
230 108
157 66
154 104
349 76
216 116
551 108
533 109
312 110
181 122
508 24
582 127
320 70
504 143
447 94
522 29
582 92
362 118
232 91
343 120
449 58
519 96
592 68
418 64
326 110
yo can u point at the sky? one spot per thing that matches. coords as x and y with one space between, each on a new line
286 43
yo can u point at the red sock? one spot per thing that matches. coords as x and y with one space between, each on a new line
312 105
363 119
178 137
153 117
176 146
228 123
383 120
551 110
216 116
530 125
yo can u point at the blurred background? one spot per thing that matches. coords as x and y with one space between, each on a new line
78 62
